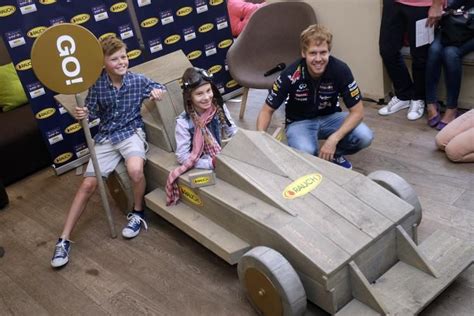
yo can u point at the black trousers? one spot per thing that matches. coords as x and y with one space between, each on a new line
3 196
398 20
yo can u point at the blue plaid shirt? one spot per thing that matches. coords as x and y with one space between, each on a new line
119 109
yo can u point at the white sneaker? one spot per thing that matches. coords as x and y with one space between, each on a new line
417 107
393 106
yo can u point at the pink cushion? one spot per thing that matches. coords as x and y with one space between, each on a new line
240 13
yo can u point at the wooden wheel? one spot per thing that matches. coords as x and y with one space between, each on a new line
398 186
120 188
271 283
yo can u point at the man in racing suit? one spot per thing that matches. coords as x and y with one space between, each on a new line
310 89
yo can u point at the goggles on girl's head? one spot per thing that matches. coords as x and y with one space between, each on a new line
203 76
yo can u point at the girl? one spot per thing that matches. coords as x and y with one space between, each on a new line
200 129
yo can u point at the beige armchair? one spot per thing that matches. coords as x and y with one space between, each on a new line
270 38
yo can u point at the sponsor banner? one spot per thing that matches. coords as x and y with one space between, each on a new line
22 21
201 28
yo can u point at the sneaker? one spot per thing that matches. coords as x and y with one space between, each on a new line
417 107
342 161
134 225
394 105
61 253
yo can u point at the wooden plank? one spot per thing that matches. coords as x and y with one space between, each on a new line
356 307
220 241
406 289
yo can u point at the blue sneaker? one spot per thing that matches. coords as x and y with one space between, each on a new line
61 253
135 221
342 162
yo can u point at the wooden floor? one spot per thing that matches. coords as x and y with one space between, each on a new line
164 272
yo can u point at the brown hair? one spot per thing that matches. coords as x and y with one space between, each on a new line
192 79
112 44
315 33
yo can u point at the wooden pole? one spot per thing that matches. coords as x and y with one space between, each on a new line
100 182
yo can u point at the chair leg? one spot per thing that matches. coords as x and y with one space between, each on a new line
243 103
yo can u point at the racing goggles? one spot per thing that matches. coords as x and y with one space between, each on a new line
204 77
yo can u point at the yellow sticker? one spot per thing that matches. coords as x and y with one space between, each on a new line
194 54
119 7
184 11
355 92
72 128
189 195
23 65
35 32
225 43
45 113
302 186
7 10
150 22
206 27
215 69
80 18
134 53
63 158
201 180
172 39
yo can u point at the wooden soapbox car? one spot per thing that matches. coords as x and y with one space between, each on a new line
299 228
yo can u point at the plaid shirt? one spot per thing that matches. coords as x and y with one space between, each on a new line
119 109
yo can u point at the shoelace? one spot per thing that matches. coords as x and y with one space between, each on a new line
60 250
135 220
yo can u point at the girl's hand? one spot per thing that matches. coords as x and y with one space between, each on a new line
81 113
157 94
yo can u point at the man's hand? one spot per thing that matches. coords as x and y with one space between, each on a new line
328 149
157 94
81 113
434 13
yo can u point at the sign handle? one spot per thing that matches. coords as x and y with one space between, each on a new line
100 181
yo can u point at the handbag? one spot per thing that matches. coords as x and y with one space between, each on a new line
457 27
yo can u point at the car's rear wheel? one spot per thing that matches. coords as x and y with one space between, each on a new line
398 186
270 282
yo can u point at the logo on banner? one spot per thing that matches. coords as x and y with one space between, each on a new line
73 128
119 7
231 84
184 11
103 36
206 27
302 186
45 113
23 65
80 18
63 158
194 54
35 32
150 22
46 2
134 53
215 2
7 10
225 43
172 39
214 69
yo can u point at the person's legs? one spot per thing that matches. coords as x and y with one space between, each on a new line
133 150
461 147
302 135
459 125
419 56
433 73
359 138
392 30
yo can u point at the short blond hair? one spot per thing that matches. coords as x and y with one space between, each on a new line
112 44
317 34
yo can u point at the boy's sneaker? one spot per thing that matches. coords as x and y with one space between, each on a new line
135 221
393 106
417 107
342 161
61 253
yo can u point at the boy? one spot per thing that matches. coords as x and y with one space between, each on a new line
116 99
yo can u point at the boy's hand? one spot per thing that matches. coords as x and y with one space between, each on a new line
157 94
81 113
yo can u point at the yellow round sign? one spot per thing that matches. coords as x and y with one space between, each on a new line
67 58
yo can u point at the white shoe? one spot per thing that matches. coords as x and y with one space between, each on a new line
417 107
393 106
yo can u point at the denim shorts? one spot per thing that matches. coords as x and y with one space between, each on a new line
108 155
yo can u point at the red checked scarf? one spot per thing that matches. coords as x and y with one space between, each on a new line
203 142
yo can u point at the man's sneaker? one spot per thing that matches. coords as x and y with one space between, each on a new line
417 107
342 161
61 253
393 106
134 225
